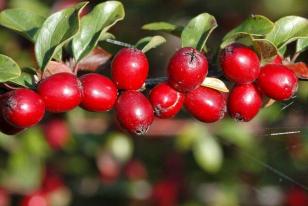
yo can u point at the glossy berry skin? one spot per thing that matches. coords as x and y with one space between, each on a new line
99 93
187 69
134 112
277 60
22 108
60 92
206 104
244 102
239 63
166 101
129 69
8 129
277 82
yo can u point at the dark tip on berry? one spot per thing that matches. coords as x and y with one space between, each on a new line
192 55
141 130
239 117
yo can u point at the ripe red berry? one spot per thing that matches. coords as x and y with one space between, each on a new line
8 129
99 93
129 69
277 82
187 69
57 133
22 108
206 104
166 101
240 63
277 60
60 92
134 112
244 102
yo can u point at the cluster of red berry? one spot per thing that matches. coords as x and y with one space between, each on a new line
242 66
23 108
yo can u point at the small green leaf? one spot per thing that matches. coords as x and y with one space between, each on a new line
288 29
149 43
94 25
57 30
26 22
9 69
58 56
208 153
106 35
26 79
159 26
164 26
256 25
198 30
302 45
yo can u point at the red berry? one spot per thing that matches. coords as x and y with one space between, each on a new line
277 60
8 129
166 101
206 104
277 82
187 69
244 102
22 108
296 197
57 133
134 112
99 93
240 63
129 69
35 199
61 92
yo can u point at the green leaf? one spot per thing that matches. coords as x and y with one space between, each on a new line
302 45
198 30
208 153
288 29
36 6
57 30
94 25
159 26
256 25
106 35
58 56
26 79
165 27
26 22
149 43
9 69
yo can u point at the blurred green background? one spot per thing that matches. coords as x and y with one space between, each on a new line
181 161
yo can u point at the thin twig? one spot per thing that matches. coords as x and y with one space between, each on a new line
295 56
119 43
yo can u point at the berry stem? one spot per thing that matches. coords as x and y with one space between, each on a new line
295 56
119 43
